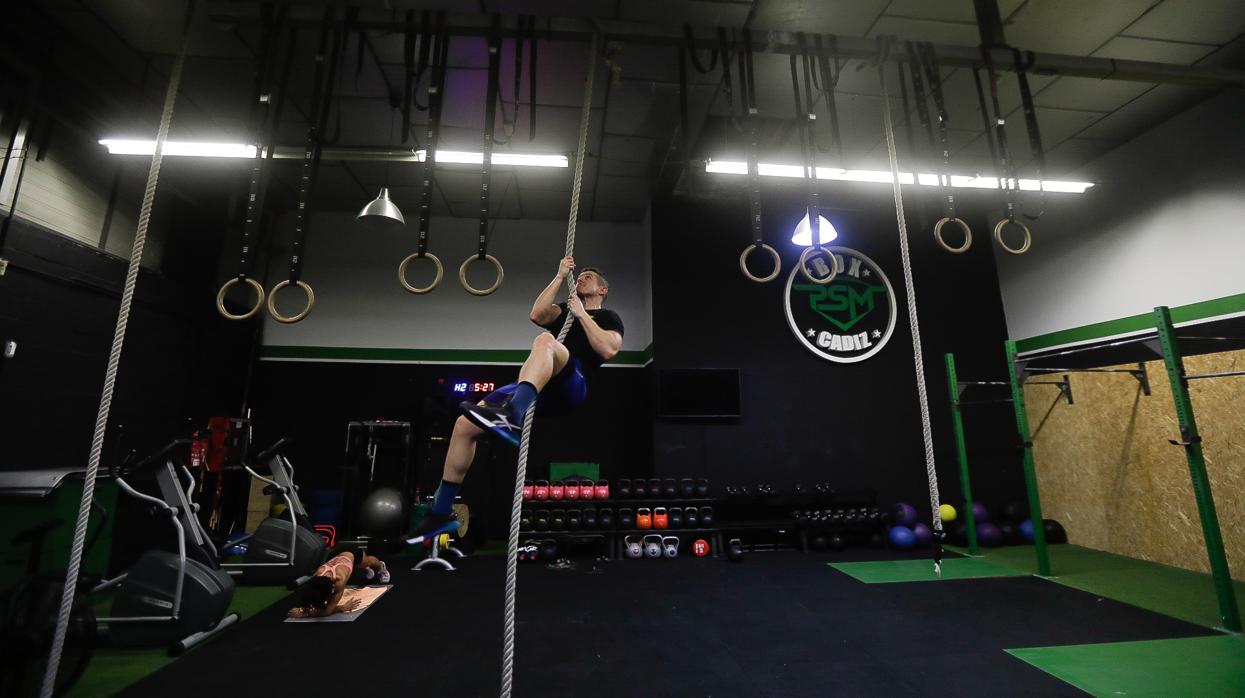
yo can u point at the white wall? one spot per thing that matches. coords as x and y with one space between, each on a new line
359 303
1165 225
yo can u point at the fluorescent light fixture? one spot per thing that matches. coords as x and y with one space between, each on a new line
516 159
117 146
803 234
884 177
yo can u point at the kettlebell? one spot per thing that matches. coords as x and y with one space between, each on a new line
634 550
669 488
639 489
624 488
661 518
529 489
626 519
557 519
690 518
706 517
574 519
525 521
643 517
735 550
542 520
676 517
654 487
652 546
670 546
541 490
590 518
605 518
702 487
687 487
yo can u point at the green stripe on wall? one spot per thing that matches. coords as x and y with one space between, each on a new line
442 356
1134 323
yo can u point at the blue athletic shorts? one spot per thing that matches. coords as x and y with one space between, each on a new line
564 393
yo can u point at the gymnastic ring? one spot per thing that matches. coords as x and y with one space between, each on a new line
272 306
220 300
743 262
411 258
998 236
462 275
968 236
834 267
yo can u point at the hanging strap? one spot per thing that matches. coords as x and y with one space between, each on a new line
690 40
531 79
928 60
408 73
508 124
436 94
827 62
1031 126
1008 181
806 125
320 100
486 171
748 111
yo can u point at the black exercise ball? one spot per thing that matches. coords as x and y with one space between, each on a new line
1054 531
836 542
876 540
1011 534
383 513
819 542
959 534
1015 512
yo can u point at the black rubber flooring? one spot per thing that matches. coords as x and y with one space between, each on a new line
778 624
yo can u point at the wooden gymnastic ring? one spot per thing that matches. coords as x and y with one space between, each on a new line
462 275
834 266
411 258
220 300
968 235
998 236
272 306
743 262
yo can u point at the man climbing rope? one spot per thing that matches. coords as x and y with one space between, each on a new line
555 376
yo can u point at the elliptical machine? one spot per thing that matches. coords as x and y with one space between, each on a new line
176 599
281 550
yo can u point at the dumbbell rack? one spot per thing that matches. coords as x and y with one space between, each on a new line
616 535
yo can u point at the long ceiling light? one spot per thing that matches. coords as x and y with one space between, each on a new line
118 146
883 176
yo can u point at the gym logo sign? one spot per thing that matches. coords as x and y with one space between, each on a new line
848 319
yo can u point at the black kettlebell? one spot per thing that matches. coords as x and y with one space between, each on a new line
574 519
626 519
702 487
706 517
800 490
669 488
549 550
735 550
836 542
542 520
623 488
676 517
557 519
525 521
639 489
590 518
605 518
687 487
818 542
690 518
654 487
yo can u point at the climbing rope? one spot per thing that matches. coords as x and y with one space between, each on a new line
507 661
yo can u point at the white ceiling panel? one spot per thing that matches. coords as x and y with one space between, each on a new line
1145 112
1134 49
946 10
846 17
1071 26
1089 94
1202 21
912 29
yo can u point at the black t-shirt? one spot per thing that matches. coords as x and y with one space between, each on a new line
577 340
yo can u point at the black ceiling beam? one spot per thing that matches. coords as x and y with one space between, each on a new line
848 47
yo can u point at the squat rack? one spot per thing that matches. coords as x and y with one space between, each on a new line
1165 343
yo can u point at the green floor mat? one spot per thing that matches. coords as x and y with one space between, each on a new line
111 670
1196 666
886 571
1172 591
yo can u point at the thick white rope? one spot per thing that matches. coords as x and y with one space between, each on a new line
110 377
918 359
507 660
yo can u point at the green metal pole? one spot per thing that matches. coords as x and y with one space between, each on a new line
1192 443
957 421
1031 484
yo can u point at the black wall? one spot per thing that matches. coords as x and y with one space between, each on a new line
805 419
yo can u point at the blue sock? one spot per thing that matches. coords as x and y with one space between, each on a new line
443 502
522 398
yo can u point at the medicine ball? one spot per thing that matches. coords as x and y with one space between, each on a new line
383 513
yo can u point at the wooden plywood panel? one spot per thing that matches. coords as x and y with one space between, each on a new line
1107 472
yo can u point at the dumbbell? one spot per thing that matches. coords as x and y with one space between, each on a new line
702 488
525 521
605 518
661 518
626 519
676 517
590 518
634 548
557 519
529 490
652 545
639 488
574 519
540 492
541 522
687 487
643 518
669 488
624 488
691 518
706 517
670 546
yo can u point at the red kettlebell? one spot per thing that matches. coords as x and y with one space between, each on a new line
541 490
571 489
528 490
644 518
557 491
603 489
700 547
586 490
661 518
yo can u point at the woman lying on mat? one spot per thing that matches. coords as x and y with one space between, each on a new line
322 594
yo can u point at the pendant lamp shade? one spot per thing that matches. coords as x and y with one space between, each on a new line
381 210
